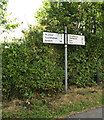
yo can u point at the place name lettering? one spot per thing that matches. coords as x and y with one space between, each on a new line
74 37
50 37
49 34
49 40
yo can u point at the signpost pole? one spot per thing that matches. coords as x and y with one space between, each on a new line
65 59
56 38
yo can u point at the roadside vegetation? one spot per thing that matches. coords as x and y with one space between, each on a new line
33 73
59 105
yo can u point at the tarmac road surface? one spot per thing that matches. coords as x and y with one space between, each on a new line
93 113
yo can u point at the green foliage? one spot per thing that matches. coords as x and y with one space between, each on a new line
34 66
30 66
3 4
85 60
85 99
85 18
6 24
29 96
79 17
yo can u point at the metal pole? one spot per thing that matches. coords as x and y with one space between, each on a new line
65 59
98 77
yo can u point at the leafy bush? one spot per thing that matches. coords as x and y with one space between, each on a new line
83 61
30 66
34 66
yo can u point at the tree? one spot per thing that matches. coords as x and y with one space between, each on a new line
79 17
102 15
5 24
3 9
86 18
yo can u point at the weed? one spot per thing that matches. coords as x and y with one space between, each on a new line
59 106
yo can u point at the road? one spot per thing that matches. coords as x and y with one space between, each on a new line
94 113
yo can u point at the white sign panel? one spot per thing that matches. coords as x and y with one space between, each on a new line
76 39
53 38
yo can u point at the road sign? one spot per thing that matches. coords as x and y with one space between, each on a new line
54 38
76 39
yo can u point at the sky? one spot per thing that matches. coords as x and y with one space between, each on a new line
23 11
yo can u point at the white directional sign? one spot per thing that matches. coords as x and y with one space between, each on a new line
53 38
76 39
70 39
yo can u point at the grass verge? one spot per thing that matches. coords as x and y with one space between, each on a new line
58 106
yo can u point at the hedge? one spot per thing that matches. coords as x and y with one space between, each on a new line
34 66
